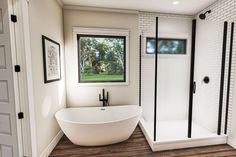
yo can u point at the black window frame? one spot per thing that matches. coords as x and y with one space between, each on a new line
102 36
180 39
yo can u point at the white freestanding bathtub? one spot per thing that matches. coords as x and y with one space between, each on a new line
96 126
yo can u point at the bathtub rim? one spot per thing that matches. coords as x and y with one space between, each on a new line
140 110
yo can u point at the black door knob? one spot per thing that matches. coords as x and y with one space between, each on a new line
206 79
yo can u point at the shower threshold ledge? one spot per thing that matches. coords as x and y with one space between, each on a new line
168 144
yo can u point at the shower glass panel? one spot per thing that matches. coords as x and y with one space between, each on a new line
147 91
207 76
173 78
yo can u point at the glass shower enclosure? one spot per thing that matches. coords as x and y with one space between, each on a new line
183 81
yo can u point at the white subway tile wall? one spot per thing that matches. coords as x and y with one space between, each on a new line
147 20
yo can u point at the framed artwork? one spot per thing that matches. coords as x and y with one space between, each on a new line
51 60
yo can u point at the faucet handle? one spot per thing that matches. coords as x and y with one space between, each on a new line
107 97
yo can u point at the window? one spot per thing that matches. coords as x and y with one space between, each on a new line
102 58
166 46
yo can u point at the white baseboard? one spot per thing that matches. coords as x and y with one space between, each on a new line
52 144
232 142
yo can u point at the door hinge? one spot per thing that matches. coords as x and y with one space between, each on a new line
20 115
17 68
14 18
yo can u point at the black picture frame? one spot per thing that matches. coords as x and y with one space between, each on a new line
52 72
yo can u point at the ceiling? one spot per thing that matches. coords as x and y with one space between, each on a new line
187 7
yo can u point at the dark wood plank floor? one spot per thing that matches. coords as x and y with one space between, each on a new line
136 146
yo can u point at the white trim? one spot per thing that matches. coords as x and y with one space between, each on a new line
232 142
29 77
100 31
25 77
52 144
180 144
60 3
104 31
14 50
99 9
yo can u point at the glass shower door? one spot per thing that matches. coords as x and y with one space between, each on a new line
207 103
174 50
147 92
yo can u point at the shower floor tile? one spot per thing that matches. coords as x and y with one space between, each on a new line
177 130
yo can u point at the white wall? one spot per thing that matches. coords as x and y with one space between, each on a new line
88 95
173 70
46 18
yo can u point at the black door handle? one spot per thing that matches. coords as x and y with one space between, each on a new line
194 87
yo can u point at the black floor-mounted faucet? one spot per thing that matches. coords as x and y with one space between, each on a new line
104 98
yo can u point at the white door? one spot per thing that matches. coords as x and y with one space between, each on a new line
8 127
